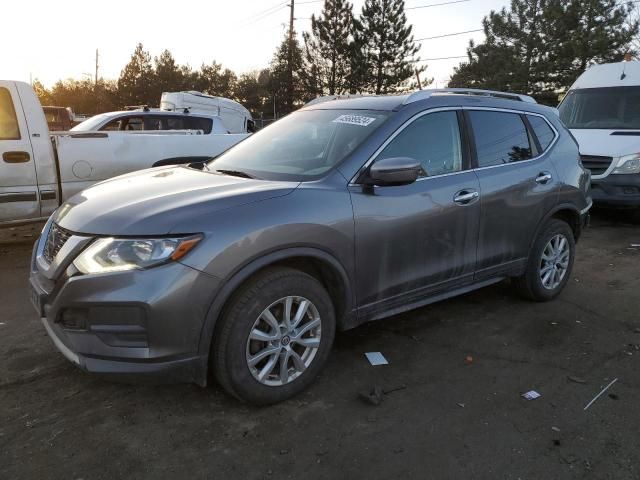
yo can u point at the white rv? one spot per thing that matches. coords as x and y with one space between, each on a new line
234 116
602 110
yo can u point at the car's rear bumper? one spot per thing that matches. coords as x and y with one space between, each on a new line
617 190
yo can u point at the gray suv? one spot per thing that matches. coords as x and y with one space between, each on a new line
346 211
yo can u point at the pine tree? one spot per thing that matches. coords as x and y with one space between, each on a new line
584 32
509 59
327 49
541 46
136 80
388 48
215 80
280 74
169 76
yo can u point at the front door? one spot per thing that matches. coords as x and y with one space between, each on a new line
418 239
18 183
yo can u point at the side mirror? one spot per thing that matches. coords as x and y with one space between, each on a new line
394 171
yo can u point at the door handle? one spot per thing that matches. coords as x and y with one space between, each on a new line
544 178
16 157
465 197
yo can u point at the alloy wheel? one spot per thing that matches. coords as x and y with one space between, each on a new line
283 341
554 263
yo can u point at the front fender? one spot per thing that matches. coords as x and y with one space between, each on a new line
231 284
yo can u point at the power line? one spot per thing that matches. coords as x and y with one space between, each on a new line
449 35
439 58
436 4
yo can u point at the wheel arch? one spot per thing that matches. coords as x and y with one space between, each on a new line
566 212
315 262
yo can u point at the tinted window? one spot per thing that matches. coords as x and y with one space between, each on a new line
606 108
500 138
542 130
9 129
199 123
433 140
133 123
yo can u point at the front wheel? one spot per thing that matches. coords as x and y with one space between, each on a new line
550 263
274 338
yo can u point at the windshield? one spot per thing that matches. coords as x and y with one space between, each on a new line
90 124
301 146
610 108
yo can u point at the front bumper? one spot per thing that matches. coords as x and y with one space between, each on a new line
617 190
138 325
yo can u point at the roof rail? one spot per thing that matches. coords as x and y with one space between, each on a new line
424 94
328 98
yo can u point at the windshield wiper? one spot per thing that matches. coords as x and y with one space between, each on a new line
235 173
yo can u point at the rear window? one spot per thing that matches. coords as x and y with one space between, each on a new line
543 131
609 108
9 129
500 138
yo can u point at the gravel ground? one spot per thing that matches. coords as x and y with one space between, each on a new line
450 417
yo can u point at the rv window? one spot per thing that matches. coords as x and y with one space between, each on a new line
9 129
610 108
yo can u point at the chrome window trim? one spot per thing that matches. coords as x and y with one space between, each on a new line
399 130
518 112
373 157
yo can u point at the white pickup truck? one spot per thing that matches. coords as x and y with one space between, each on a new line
39 169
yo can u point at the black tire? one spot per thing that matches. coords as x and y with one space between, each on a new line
229 348
530 284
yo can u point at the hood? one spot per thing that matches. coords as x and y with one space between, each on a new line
603 143
152 202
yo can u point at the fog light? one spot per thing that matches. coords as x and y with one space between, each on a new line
74 318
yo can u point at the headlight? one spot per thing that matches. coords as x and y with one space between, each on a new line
116 254
628 164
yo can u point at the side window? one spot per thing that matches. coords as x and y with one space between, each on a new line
433 140
153 122
133 123
500 137
542 130
112 126
199 123
176 123
9 129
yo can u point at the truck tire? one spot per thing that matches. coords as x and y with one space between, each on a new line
550 263
274 337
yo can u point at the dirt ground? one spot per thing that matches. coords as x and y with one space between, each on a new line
448 419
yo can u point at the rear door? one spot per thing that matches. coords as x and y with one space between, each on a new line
416 240
18 182
518 186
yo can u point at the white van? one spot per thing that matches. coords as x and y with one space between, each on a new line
602 110
235 117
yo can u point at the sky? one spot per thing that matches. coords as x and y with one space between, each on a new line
62 35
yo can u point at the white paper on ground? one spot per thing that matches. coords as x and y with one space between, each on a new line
376 358
531 395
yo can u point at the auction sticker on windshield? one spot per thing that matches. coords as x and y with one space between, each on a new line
354 120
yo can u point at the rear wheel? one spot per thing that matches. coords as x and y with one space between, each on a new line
550 263
275 336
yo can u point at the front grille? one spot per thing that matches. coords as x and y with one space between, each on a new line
598 165
56 239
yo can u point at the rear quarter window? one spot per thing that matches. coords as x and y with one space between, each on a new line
543 131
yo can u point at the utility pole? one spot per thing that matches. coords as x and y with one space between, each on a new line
290 73
96 77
